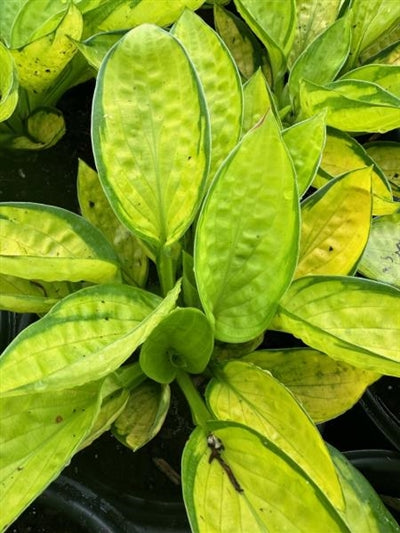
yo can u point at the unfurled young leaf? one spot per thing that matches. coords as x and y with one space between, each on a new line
352 105
386 154
243 393
182 341
50 244
85 337
44 128
143 414
151 135
335 224
96 208
8 83
244 225
220 81
249 485
381 258
344 317
257 101
305 141
326 388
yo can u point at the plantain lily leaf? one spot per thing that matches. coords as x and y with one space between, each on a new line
8 84
94 207
329 49
388 56
95 48
305 141
364 509
343 317
51 244
40 62
376 52
155 181
243 393
182 341
84 337
44 128
381 258
239 294
9 11
342 154
352 105
326 388
245 48
250 485
27 296
313 18
190 293
143 415
257 101
386 76
335 223
220 81
39 434
386 154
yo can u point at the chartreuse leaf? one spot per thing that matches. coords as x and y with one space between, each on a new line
386 76
182 341
386 154
9 11
154 181
326 388
329 49
305 141
95 207
342 154
95 48
244 225
40 62
388 56
44 128
244 393
241 41
220 80
364 509
344 317
39 434
257 101
84 337
27 296
143 415
8 84
352 105
273 23
382 47
250 485
313 17
335 223
381 258
370 20
51 244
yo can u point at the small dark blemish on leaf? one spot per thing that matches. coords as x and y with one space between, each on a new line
330 249
396 175
189 157
20 468
47 70
59 419
107 318
102 301
91 203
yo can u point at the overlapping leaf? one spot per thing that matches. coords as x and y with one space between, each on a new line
8 84
386 76
387 156
257 101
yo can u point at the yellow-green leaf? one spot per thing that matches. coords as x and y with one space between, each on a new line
96 208
220 81
381 258
8 84
335 223
95 48
51 244
257 101
386 76
385 49
244 393
326 388
386 154
151 134
265 490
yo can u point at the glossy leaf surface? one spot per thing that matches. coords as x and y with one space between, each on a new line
86 336
305 141
350 319
151 134
275 495
182 341
244 225
95 207
143 415
326 388
381 258
256 101
51 244
352 105
220 81
246 394
8 84
335 223
39 434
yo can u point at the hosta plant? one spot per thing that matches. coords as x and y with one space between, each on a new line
194 242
